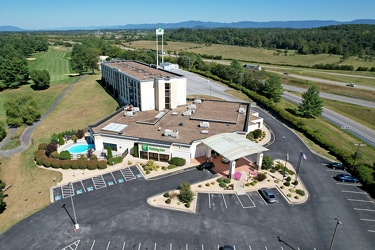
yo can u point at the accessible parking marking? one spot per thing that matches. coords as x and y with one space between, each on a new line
98 182
128 174
67 191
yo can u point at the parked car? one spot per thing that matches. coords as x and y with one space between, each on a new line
267 195
346 178
226 247
205 165
225 160
336 165
286 73
350 84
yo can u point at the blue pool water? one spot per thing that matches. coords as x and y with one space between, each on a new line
80 148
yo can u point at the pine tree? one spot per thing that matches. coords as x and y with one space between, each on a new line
312 104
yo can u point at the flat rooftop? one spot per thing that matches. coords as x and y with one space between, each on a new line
223 117
141 71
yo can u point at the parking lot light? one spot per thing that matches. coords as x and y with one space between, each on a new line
338 222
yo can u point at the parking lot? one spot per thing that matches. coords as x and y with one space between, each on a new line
97 182
212 202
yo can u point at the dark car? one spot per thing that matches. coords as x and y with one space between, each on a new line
346 178
267 195
226 247
205 165
336 165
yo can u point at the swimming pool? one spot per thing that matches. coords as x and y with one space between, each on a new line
80 148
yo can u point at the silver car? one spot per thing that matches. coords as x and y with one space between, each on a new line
267 195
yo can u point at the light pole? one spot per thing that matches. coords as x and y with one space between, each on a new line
301 154
356 154
76 225
334 233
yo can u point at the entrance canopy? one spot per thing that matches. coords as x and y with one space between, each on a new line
233 146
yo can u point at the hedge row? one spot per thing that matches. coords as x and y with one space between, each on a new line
41 159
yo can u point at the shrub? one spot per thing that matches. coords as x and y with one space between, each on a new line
52 147
93 157
300 192
186 194
199 185
47 162
109 152
296 197
42 146
289 195
61 139
91 165
55 155
163 168
222 185
75 165
288 179
74 138
276 181
257 133
178 161
150 166
252 183
166 194
295 183
220 179
227 180
171 166
282 187
213 183
114 160
147 172
64 155
102 164
272 170
207 184
39 160
261 177
168 201
65 164
287 183
247 184
187 205
292 190
267 162
80 133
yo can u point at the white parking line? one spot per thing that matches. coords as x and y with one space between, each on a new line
108 245
346 184
360 200
123 246
139 247
225 203
250 200
209 200
364 209
202 247
93 245
371 231
155 246
83 186
354 192
367 219
263 199
250 248
186 246
170 246
113 177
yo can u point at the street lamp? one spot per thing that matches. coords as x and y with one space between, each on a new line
76 225
334 233
356 154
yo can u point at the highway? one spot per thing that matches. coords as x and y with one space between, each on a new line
199 85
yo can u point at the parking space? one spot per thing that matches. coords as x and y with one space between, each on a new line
362 203
97 182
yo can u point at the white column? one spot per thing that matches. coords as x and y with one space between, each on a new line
232 168
260 159
208 153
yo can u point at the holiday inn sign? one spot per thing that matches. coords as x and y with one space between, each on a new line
146 147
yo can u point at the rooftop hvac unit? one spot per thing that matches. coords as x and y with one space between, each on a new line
192 106
135 109
204 131
171 133
174 113
241 110
128 113
197 101
187 113
204 124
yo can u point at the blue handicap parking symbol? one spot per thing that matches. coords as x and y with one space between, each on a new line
139 176
57 197
110 183
120 180
79 191
90 189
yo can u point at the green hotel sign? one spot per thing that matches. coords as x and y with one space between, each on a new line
146 147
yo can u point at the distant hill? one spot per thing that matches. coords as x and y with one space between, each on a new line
10 28
199 24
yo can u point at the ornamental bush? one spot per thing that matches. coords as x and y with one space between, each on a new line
64 155
42 146
227 180
287 183
102 164
295 183
208 184
300 192
288 179
163 168
222 185
186 194
178 161
168 201
166 194
219 179
261 177
171 166
187 205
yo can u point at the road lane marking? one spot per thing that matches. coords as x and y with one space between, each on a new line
364 209
225 203
367 220
360 200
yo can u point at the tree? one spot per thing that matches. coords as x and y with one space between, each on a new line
21 110
312 104
109 152
41 78
52 147
272 88
2 196
3 132
267 162
186 194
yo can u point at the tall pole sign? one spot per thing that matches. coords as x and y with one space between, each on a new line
159 32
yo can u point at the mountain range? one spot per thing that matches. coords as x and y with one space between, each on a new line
199 24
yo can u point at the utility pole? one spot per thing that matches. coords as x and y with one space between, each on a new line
76 225
334 233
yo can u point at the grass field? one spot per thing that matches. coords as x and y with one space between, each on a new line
30 184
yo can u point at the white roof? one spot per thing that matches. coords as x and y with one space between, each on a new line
233 146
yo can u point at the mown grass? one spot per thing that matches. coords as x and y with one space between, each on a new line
30 184
15 143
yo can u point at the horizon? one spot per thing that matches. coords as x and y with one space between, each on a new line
43 14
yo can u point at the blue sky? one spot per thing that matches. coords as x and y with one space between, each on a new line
44 14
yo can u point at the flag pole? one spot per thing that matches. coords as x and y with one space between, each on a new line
299 164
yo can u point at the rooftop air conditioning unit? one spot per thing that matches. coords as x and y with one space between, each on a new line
204 124
192 106
197 101
171 133
135 109
128 114
187 113
241 110
204 131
